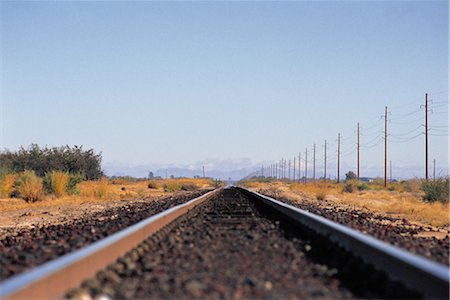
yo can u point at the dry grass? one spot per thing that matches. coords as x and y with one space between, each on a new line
105 190
59 181
7 185
405 201
29 186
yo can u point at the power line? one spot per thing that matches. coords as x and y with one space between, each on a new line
406 133
407 139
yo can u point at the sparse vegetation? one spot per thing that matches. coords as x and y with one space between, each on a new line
28 186
436 190
7 185
172 186
56 183
405 200
153 184
349 186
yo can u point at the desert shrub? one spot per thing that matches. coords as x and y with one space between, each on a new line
349 186
320 195
7 185
188 187
56 182
362 187
350 175
172 186
74 180
45 160
391 187
153 185
436 190
29 186
412 185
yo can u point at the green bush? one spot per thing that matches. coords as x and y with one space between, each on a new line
350 175
28 186
362 187
74 179
45 160
60 183
436 190
349 186
172 186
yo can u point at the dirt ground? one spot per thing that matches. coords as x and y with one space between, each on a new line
35 215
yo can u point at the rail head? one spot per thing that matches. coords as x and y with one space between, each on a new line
418 273
51 279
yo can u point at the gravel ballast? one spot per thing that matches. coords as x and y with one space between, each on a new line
230 248
27 248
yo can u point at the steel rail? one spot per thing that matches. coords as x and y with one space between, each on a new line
429 278
52 279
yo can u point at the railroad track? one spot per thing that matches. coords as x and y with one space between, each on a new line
234 243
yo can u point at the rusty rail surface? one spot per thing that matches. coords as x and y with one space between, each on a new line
52 279
417 273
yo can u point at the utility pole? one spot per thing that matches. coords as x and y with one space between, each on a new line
293 172
299 166
285 169
426 136
325 163
385 146
289 174
314 162
203 171
280 170
339 156
357 154
306 165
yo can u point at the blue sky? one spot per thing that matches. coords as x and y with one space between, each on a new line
227 84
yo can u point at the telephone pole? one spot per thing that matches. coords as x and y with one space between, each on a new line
314 162
426 136
357 154
289 168
203 171
385 146
293 172
306 164
339 156
299 166
325 163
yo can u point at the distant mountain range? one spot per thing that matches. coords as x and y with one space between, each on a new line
239 168
212 169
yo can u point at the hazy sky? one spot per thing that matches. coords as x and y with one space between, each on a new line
184 83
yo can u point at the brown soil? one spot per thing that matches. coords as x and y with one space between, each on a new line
36 216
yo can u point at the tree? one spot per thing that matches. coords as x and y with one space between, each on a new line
44 160
350 175
150 175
